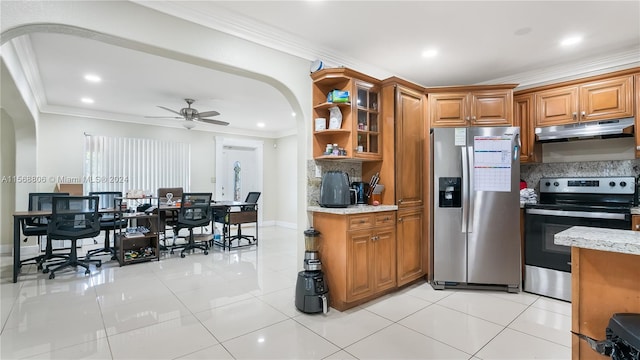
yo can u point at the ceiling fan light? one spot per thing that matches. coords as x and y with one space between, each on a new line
189 124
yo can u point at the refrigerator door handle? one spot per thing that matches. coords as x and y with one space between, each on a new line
471 195
465 189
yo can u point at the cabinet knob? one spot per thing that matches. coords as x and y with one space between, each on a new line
637 226
473 118
399 219
362 221
468 118
575 116
584 115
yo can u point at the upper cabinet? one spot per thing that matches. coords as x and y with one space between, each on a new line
523 114
590 101
471 106
637 126
351 116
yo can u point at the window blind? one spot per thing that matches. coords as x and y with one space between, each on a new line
124 164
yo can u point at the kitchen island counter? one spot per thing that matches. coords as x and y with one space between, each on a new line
635 210
604 281
613 240
355 209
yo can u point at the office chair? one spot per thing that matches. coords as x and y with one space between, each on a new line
37 226
108 221
73 218
247 214
195 211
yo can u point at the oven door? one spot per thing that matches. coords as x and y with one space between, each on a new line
542 224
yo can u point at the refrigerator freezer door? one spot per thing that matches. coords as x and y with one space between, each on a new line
494 233
449 231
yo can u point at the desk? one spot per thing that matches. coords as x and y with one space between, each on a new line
235 217
18 218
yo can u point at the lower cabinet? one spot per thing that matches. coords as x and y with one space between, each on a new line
358 254
371 262
411 246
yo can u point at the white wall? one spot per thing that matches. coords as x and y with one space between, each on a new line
286 154
589 150
7 188
60 152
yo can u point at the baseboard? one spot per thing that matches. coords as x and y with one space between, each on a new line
285 224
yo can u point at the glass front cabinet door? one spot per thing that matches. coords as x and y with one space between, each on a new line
368 136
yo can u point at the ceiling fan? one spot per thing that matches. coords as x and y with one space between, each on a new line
190 115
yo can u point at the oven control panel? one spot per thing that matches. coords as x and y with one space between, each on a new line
591 185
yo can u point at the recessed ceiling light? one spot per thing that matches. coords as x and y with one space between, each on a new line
430 53
92 78
293 114
87 100
572 40
260 124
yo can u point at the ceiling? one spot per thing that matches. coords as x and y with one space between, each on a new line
477 42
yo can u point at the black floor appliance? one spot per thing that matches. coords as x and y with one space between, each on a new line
603 202
312 293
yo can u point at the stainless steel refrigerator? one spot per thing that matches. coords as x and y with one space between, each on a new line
476 201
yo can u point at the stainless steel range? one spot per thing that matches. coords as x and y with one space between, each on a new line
603 202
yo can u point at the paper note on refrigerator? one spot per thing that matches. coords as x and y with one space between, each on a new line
492 163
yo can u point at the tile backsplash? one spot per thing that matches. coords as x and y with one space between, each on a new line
532 173
353 169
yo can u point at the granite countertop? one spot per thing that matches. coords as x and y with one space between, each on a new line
613 240
635 210
353 209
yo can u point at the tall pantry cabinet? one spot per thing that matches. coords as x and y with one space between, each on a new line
405 104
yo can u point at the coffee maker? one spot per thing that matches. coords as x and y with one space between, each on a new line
312 293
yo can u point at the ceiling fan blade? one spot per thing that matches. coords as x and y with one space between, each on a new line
164 117
214 122
166 108
208 114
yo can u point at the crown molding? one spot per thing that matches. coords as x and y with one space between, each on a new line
593 66
226 21
65 111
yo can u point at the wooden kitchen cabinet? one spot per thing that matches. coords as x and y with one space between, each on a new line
471 106
523 115
637 126
635 223
411 245
405 103
358 254
602 99
411 148
360 133
602 283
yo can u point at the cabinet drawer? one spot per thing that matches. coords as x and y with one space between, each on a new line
357 222
385 218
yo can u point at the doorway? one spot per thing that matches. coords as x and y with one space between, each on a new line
239 166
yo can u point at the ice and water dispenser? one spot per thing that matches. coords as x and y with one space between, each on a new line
450 192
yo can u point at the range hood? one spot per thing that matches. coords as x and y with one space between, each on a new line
587 130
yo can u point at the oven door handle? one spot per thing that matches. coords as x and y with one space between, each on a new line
578 214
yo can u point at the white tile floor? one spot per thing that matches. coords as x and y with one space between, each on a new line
240 305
